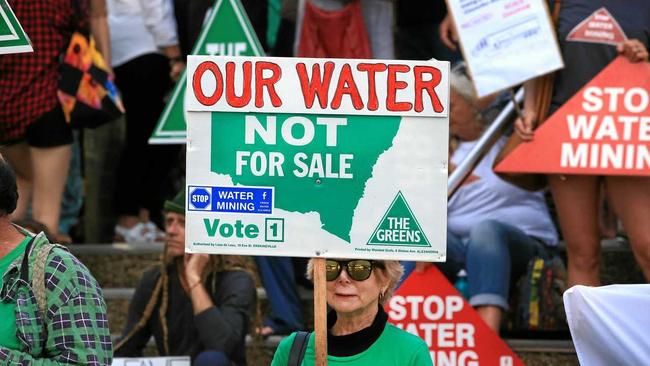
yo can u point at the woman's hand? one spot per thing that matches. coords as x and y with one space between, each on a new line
194 266
524 127
633 50
448 34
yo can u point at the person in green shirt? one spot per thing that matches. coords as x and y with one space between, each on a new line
358 330
51 308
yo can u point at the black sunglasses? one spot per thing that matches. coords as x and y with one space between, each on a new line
358 269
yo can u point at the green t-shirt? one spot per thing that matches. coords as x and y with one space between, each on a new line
394 347
8 337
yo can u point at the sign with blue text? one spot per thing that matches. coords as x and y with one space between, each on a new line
317 157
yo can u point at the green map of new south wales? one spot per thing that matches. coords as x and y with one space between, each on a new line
317 163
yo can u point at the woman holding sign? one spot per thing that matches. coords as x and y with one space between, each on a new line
591 35
358 329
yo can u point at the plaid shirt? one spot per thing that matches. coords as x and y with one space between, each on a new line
76 326
28 81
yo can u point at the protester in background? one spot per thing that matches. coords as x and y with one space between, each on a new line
61 321
193 304
576 196
286 34
146 58
358 328
33 129
418 34
191 17
493 227
73 193
345 29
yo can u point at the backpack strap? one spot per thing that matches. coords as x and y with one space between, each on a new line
38 280
24 267
38 277
298 348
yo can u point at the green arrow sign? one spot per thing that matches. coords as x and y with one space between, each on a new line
228 33
12 37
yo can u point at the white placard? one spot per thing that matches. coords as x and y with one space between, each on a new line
153 361
505 42
306 181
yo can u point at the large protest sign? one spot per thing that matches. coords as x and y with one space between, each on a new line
12 37
317 157
604 129
505 42
427 305
228 32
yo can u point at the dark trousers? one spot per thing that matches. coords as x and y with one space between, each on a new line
142 176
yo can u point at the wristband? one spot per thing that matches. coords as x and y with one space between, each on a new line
194 285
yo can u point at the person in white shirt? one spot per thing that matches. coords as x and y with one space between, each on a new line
146 58
493 227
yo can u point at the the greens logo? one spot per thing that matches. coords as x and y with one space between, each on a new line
399 227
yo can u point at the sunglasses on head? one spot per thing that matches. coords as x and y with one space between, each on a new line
358 269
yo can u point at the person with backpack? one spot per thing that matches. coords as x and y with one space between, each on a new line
51 308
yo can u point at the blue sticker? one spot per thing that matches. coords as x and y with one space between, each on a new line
252 200
199 198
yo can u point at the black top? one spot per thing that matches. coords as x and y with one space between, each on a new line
222 327
584 56
418 12
355 343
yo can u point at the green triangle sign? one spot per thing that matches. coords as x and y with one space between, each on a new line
12 36
399 227
228 33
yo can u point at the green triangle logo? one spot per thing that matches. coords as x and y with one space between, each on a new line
228 33
12 36
399 227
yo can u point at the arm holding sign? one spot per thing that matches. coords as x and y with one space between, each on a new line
448 33
525 124
632 49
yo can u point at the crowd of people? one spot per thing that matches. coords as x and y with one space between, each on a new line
202 305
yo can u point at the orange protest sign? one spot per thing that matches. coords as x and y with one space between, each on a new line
427 305
604 129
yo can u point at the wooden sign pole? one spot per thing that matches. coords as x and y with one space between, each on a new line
320 312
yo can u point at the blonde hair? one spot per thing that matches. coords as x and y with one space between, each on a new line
392 271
